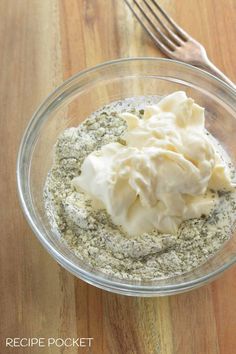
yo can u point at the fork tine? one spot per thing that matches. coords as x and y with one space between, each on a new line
172 35
178 29
164 37
155 39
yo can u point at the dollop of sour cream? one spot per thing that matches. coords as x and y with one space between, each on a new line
163 174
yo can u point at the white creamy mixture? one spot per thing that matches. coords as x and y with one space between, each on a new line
138 165
163 173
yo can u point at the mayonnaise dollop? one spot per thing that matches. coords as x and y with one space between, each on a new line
164 173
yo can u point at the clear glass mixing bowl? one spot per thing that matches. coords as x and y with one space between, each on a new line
84 93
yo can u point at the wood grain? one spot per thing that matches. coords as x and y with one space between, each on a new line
42 43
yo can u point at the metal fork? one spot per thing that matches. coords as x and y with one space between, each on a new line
171 39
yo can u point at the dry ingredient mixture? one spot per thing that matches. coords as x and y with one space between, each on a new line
90 233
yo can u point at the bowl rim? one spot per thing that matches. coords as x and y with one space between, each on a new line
105 283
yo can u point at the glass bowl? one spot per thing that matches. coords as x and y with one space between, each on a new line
83 94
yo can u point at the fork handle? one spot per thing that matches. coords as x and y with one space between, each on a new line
211 68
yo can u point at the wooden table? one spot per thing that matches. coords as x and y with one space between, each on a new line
42 43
